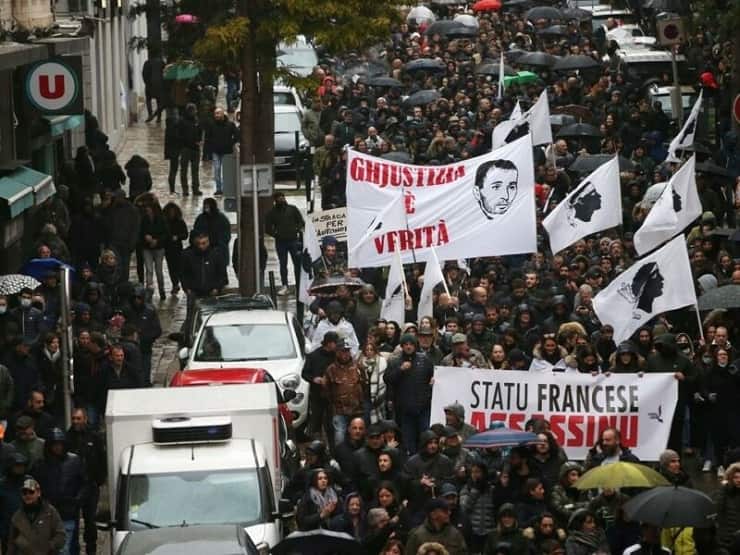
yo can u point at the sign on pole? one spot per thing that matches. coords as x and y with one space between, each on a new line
330 222
54 86
265 182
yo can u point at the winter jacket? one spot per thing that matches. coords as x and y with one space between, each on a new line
412 391
564 501
345 388
203 271
438 467
670 360
579 543
448 536
311 129
221 136
529 509
146 320
156 228
475 360
10 500
513 537
25 373
6 392
90 448
189 132
595 457
122 221
33 449
477 502
727 501
284 223
43 536
62 481
30 321
139 180
308 515
218 229
177 232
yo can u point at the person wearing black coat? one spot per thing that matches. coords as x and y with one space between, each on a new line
172 147
177 232
116 374
203 272
84 442
216 225
143 316
20 360
108 173
354 440
89 361
190 136
426 471
85 235
10 493
152 237
314 369
121 220
220 138
132 350
319 504
139 176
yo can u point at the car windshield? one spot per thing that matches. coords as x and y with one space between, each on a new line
287 122
245 342
299 60
283 98
185 498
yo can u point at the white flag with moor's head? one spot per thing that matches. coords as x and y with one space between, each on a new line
685 137
535 121
433 276
655 284
311 252
483 206
593 206
394 303
677 207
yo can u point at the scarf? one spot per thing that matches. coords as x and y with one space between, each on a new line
594 539
53 357
321 500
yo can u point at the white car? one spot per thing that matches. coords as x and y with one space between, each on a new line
269 339
283 95
299 56
629 34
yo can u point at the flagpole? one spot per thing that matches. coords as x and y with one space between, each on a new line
698 320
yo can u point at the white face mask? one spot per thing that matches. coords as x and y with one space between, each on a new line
25 303
3 308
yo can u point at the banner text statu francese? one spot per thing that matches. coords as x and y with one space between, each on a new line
577 413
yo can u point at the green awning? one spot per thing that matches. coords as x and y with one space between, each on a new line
60 124
16 197
42 184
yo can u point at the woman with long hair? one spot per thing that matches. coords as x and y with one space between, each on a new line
177 232
373 366
319 504
152 238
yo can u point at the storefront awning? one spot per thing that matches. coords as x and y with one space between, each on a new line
60 124
42 184
15 197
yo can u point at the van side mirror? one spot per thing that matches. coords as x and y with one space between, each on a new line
177 337
289 395
103 521
183 353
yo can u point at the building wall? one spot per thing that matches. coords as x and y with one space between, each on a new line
32 13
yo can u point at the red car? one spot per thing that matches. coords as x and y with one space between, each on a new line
230 376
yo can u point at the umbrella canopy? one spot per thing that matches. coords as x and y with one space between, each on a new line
398 156
326 287
467 20
621 475
711 168
673 6
493 68
579 130
559 120
554 31
669 506
572 63
487 6
368 69
422 98
382 81
181 71
587 163
426 64
544 12
316 542
727 296
419 15
39 267
577 14
519 4
501 437
11 284
537 59
446 2
576 110
521 78
514 54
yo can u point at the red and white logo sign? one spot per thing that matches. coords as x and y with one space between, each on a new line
51 86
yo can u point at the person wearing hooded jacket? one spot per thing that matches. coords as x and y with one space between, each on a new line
584 535
476 501
190 138
626 360
565 499
722 391
216 226
62 479
727 501
506 532
367 311
144 317
426 470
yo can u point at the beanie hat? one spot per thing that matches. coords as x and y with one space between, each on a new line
667 456
408 338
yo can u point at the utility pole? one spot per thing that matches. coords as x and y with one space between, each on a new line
154 27
257 143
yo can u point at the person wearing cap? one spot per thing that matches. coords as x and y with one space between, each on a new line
427 344
62 478
436 528
336 322
455 419
36 527
365 464
458 518
284 223
314 371
345 390
409 377
462 356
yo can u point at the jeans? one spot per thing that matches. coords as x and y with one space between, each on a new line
71 541
89 512
340 422
412 424
284 248
232 94
172 175
218 171
153 259
190 158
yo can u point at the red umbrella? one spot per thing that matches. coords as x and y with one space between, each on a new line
487 6
186 18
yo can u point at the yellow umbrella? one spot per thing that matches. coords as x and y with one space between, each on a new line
621 475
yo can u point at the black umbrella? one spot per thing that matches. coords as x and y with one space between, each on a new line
554 31
462 31
369 69
382 81
559 120
579 130
673 6
578 14
398 156
537 59
572 63
671 506
426 64
713 169
517 3
493 68
326 287
514 54
544 12
586 163
451 28
447 2
422 98
316 542
727 296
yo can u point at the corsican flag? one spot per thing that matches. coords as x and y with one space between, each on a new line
394 303
677 206
593 206
535 121
391 217
311 252
658 283
501 83
432 277
685 138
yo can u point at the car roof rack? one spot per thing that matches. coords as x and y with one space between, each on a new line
234 301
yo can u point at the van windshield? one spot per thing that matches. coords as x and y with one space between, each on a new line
205 497
245 342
